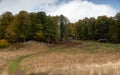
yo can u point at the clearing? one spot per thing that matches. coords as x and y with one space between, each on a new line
66 58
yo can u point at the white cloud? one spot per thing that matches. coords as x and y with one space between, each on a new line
77 9
74 9
16 5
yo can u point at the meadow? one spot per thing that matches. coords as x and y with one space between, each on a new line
65 58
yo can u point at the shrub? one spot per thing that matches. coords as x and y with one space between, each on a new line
4 43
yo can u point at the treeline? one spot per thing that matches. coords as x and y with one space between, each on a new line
38 26
101 28
32 26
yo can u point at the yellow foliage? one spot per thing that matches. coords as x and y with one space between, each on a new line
4 43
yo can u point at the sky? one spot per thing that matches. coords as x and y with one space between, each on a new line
72 9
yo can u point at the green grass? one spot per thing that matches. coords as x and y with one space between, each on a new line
14 66
87 46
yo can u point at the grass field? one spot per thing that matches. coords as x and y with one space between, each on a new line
66 58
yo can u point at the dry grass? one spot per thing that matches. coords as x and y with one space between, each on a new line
72 64
6 55
77 69
66 58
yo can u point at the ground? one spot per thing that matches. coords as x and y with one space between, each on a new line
65 58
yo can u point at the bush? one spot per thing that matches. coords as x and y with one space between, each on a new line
4 43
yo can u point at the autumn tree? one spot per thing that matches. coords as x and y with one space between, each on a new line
5 20
114 32
117 16
50 31
39 35
23 25
21 28
38 26
78 28
102 27
11 33
82 29
42 18
91 28
1 33
71 32
34 25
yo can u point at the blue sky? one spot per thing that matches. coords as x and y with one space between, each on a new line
114 3
73 9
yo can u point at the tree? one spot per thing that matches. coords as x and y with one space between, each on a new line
38 20
70 30
5 20
1 29
78 28
82 29
114 32
23 25
19 29
102 28
38 26
33 26
50 31
11 33
62 30
42 17
91 28
63 21
39 35
117 16
85 33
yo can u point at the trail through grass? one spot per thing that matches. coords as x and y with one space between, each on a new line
15 68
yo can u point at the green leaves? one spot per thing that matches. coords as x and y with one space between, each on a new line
38 26
50 31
